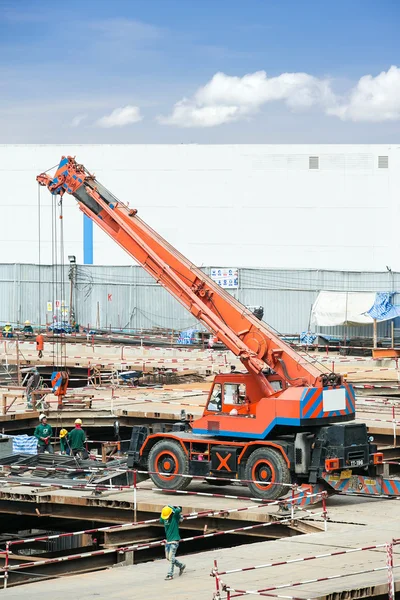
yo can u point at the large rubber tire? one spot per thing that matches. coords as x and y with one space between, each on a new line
168 456
267 464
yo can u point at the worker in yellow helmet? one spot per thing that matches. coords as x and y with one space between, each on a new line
27 330
170 518
76 440
64 447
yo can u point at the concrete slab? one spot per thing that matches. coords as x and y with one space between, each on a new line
146 580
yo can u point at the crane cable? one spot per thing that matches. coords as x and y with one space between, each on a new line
63 345
54 260
39 262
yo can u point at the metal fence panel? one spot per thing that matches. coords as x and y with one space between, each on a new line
126 297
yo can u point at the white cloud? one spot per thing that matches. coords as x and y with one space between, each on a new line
120 117
76 121
227 98
372 99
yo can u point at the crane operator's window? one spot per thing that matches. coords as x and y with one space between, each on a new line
216 398
234 393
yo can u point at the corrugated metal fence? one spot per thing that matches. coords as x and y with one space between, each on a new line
125 297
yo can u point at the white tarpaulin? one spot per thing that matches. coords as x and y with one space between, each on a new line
342 308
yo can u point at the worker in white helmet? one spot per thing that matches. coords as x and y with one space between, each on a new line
43 433
76 440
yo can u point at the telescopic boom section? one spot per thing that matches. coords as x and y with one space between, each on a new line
234 325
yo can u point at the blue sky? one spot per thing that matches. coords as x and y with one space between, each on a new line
206 71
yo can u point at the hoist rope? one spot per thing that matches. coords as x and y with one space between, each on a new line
39 260
63 349
53 274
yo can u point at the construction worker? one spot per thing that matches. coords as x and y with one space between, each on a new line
27 330
64 447
32 384
76 439
170 518
39 345
8 331
43 433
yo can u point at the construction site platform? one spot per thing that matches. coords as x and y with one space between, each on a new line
355 523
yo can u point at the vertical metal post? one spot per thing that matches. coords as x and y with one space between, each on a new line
375 333
18 363
392 331
6 562
292 505
134 494
324 512
217 594
389 564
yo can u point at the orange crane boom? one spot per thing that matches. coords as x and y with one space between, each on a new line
256 345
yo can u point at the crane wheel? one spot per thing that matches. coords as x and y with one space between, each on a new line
267 465
167 459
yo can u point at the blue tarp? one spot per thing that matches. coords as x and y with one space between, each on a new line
188 336
383 309
307 338
24 444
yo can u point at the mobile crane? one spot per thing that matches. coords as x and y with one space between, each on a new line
282 420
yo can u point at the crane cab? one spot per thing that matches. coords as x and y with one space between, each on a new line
236 393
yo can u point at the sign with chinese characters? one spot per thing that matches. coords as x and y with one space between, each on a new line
226 277
49 307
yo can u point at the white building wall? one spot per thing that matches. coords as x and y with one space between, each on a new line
226 205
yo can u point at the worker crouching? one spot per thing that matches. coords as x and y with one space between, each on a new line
27 329
170 518
8 331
